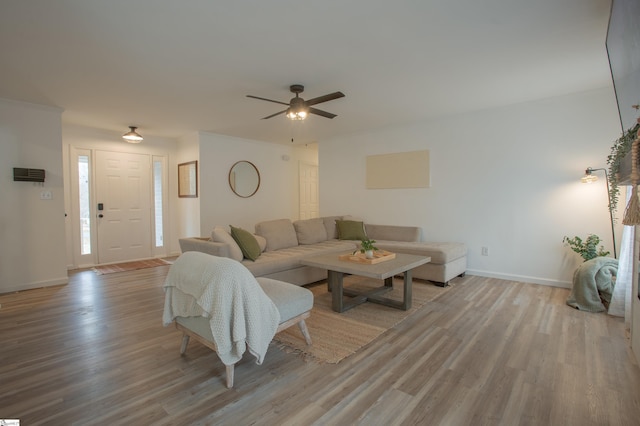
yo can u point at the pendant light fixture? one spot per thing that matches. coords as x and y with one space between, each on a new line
132 136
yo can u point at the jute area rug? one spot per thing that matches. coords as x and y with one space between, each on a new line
335 336
130 266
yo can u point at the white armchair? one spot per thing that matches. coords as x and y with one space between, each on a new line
219 303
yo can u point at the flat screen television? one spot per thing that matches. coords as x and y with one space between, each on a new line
623 49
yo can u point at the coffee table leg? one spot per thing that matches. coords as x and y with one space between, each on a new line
408 282
334 279
388 282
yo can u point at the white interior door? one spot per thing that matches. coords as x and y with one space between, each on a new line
123 190
309 199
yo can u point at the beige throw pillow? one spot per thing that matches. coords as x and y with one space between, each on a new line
220 235
262 242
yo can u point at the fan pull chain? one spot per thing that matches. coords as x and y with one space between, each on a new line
632 213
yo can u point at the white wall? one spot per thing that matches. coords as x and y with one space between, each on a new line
220 206
507 179
32 239
97 139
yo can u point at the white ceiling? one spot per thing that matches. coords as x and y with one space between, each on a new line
172 67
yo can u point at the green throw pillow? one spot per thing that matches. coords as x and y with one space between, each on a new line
247 242
350 230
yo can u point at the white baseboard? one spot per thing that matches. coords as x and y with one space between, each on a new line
520 278
39 284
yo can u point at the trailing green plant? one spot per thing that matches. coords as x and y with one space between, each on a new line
367 245
587 248
619 150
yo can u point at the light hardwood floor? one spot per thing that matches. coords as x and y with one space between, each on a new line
486 352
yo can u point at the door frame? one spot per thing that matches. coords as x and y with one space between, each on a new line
84 261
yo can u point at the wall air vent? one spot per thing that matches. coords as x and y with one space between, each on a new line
28 175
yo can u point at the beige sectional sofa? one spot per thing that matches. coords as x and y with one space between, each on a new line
284 243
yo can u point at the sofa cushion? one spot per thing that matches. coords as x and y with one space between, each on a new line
310 231
350 230
247 242
279 233
220 235
440 253
392 233
330 226
290 299
271 262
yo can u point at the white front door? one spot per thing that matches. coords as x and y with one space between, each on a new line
123 194
309 203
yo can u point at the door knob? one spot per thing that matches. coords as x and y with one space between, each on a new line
100 215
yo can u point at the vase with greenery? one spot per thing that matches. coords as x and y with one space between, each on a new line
587 248
367 247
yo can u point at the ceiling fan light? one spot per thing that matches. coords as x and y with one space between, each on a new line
296 115
132 136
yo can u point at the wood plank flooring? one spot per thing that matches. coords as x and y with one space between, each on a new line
487 352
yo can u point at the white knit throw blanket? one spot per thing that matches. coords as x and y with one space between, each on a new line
222 289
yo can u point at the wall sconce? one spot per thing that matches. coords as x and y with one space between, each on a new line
132 136
589 177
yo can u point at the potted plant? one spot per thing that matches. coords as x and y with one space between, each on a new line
586 248
367 247
620 151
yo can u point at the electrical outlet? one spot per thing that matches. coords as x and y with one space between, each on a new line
485 251
46 195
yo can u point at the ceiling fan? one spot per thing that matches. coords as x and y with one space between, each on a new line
299 109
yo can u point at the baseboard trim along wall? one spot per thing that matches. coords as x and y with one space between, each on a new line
521 278
39 284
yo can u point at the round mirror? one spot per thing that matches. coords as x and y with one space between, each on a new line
244 179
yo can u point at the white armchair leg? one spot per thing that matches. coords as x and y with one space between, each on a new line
305 332
230 371
185 342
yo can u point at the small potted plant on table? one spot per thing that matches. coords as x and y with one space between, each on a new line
368 248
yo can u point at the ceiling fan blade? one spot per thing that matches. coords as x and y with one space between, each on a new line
273 115
268 100
324 98
322 113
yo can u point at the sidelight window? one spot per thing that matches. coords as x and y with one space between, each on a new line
85 204
157 202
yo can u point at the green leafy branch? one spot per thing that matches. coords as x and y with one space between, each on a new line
587 248
619 150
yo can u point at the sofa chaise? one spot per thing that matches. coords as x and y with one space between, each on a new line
282 243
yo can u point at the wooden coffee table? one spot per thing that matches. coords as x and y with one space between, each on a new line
336 269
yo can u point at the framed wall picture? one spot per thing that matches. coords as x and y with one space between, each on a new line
398 170
188 180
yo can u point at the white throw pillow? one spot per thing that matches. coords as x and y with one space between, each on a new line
220 235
